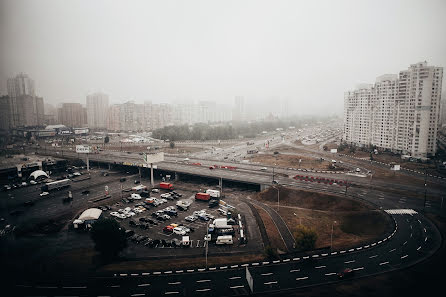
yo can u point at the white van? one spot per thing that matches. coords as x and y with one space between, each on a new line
225 239
213 193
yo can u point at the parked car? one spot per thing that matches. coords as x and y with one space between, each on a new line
129 233
44 193
168 229
85 192
136 182
136 196
179 231
191 218
122 179
155 191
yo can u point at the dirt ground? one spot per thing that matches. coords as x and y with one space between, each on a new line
143 148
351 219
284 160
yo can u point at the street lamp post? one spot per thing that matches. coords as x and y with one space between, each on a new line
425 188
331 237
207 244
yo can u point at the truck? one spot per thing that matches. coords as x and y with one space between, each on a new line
56 185
166 186
225 239
213 193
202 196
221 223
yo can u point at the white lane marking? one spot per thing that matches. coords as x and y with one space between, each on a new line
138 294
203 280
410 235
255 264
115 286
425 239
235 277
212 268
359 268
392 250
174 283
301 278
331 273
405 256
168 293
352 261
270 283
223 267
322 266
294 270
419 248
236 287
374 256
143 285
296 259
202 290
148 273
424 230
46 287
157 272
83 287
265 274
383 263
405 242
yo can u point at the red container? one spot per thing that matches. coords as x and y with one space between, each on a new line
202 196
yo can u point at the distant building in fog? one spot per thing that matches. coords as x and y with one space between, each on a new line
97 108
72 115
25 109
238 113
399 113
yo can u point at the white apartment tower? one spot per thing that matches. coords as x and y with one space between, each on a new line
97 109
398 113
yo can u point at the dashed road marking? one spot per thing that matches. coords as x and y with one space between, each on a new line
302 278
383 263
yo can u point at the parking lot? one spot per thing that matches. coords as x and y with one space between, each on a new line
148 222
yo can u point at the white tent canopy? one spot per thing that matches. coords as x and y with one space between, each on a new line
38 173
90 214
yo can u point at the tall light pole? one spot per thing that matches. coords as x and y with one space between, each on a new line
207 244
425 188
331 237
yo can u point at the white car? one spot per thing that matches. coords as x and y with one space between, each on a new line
165 195
44 193
263 168
184 228
127 209
77 174
33 182
155 191
186 159
191 218
135 196
115 213
179 231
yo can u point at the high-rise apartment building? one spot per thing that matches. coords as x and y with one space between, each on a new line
398 113
239 109
25 108
72 115
97 108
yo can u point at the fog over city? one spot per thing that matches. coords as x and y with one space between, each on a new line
306 53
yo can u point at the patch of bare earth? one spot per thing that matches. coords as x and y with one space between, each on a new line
353 222
284 160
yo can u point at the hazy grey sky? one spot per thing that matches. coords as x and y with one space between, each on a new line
166 51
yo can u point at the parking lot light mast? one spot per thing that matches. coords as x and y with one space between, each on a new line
207 244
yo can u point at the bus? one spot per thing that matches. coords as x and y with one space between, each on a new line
56 185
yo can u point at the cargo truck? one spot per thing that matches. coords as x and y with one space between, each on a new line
166 186
202 196
213 193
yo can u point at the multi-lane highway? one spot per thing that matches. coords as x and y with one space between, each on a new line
413 239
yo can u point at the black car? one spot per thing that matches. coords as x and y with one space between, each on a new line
151 222
345 273
143 219
122 179
213 203
85 192
136 182
125 200
133 223
145 194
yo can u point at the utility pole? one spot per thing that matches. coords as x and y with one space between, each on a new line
425 188
331 237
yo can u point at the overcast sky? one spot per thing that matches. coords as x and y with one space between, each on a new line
310 52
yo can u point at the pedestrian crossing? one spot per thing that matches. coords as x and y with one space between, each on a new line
401 211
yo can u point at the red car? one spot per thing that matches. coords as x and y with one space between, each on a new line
168 229
345 273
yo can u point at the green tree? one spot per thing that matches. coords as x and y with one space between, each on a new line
270 253
305 238
109 238
172 144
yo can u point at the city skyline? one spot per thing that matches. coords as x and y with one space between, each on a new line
167 53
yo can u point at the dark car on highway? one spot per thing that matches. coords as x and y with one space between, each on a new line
345 273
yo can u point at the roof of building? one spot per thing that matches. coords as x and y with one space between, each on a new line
90 214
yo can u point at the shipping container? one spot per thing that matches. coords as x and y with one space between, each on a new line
203 196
